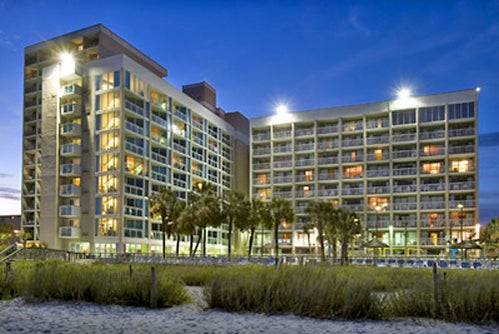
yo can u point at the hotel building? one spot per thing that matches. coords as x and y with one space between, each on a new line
103 131
407 167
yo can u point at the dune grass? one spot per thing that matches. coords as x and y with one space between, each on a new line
324 292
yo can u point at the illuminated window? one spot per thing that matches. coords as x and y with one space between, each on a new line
108 162
460 166
353 172
382 202
262 178
306 189
134 165
353 156
108 101
431 150
107 227
309 175
264 193
378 154
349 126
108 183
431 168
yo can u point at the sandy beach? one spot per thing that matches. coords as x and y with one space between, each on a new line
19 316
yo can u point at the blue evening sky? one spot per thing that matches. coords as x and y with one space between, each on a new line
309 54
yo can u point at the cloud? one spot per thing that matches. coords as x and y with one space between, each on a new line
6 41
354 21
5 175
488 139
10 193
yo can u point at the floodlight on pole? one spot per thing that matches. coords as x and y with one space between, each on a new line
281 109
404 93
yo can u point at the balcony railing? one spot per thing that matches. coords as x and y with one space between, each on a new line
134 108
71 129
69 190
431 135
461 186
283 149
304 132
282 164
282 134
404 137
69 232
462 149
378 190
404 206
134 148
70 150
378 157
432 187
375 140
404 154
283 194
328 177
134 128
328 160
404 171
69 211
352 191
260 166
71 109
328 192
465 132
432 205
378 172
406 188
327 129
70 90
261 136
304 162
70 170
304 147
283 179
262 151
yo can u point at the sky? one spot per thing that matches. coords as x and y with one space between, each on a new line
257 54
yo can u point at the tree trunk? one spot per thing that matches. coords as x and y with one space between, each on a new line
191 241
164 238
252 234
344 251
321 242
334 250
229 244
177 249
200 236
276 241
203 236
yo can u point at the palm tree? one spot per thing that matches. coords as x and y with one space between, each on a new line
348 225
257 214
306 229
490 234
281 211
205 211
234 212
166 205
322 216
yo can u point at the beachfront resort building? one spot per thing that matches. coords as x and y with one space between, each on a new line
407 167
103 131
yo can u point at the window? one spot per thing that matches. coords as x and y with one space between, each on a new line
107 183
381 202
431 114
401 117
431 150
107 101
353 172
109 141
462 110
107 81
432 168
108 120
378 154
107 227
107 162
135 84
309 175
460 166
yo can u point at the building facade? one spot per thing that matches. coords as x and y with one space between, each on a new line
407 167
103 131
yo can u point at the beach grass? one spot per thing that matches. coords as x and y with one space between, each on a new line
321 291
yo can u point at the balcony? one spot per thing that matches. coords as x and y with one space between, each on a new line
378 190
134 128
328 192
403 137
432 205
464 132
350 158
406 188
353 142
71 129
404 154
261 166
376 140
69 190
283 194
378 172
283 179
135 108
432 187
71 150
69 211
404 206
282 164
72 110
70 170
328 176
180 114
69 232
328 160
134 148
261 151
461 186
405 171
70 91
427 135
283 149
327 129
463 149
304 147
159 121
304 132
352 191
282 134
378 157
304 162
261 136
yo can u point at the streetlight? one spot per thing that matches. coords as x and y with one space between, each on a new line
461 218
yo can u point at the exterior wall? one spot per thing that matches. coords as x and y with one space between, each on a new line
361 157
93 155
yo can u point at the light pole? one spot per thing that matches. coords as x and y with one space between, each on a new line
461 220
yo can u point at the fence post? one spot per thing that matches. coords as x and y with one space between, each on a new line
130 270
436 288
154 289
8 269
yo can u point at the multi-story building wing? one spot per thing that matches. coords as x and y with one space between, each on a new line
103 131
407 167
